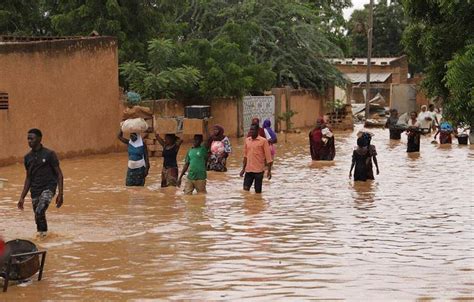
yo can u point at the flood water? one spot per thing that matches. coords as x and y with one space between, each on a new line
312 234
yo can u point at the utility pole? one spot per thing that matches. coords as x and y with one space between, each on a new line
369 57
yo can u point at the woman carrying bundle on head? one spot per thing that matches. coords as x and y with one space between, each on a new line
138 163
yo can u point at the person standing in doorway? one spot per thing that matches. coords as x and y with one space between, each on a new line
43 176
195 161
257 154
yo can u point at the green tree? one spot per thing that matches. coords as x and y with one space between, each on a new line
132 22
439 41
23 17
197 68
289 36
460 82
389 23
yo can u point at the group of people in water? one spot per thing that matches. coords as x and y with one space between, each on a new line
44 176
203 156
415 125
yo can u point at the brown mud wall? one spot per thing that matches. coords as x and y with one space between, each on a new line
308 105
68 89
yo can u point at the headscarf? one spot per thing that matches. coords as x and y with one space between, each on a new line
220 134
267 125
138 143
446 126
319 122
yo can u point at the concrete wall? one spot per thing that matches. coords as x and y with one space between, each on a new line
67 88
403 97
308 104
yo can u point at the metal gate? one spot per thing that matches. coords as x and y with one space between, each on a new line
262 107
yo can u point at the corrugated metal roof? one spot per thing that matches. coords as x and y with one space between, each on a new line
363 61
362 77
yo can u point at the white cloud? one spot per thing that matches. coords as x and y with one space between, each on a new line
356 4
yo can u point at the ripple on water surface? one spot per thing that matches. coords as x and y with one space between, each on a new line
313 233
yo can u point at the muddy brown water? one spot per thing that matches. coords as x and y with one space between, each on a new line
312 234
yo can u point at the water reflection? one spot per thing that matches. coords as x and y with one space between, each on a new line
312 233
364 195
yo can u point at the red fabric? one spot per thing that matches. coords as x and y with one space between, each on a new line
2 247
316 143
319 150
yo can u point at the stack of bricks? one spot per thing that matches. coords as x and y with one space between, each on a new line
152 144
342 120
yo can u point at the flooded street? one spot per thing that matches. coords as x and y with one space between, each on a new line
312 234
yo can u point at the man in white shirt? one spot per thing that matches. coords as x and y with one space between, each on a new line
425 119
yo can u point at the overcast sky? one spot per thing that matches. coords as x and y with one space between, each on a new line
356 4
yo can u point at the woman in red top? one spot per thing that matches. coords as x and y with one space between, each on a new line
321 142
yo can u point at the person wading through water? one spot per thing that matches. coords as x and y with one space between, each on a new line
391 124
138 163
195 161
321 142
256 154
43 176
413 133
169 173
360 160
219 150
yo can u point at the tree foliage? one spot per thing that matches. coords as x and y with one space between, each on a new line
389 22
238 38
460 82
439 41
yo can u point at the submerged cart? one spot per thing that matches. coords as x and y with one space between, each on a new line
21 261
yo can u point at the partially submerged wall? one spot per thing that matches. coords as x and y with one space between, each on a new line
67 88
225 112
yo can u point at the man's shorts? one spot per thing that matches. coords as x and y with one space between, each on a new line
199 185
